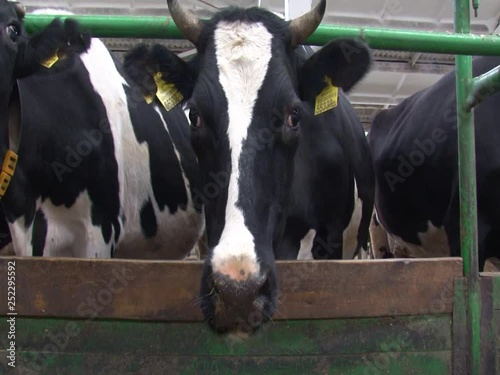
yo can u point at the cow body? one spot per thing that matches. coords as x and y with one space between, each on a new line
414 146
323 194
251 96
350 243
101 173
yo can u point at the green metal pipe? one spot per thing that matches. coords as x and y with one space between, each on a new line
467 186
483 87
376 38
475 5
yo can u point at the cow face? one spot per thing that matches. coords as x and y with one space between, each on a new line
252 94
11 16
21 56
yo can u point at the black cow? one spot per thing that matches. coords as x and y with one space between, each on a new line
277 168
101 172
414 148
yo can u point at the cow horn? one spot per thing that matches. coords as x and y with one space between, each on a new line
186 21
19 8
302 27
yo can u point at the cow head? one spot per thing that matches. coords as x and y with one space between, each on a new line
11 16
250 92
21 55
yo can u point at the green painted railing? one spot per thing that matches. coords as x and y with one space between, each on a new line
377 38
470 92
467 186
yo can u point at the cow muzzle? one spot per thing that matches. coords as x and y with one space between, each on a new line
238 302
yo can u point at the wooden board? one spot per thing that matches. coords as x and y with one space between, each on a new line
460 349
403 345
421 363
155 290
490 324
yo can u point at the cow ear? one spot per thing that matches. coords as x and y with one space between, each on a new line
142 64
344 61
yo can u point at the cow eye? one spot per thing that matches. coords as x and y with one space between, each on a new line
194 119
13 32
293 119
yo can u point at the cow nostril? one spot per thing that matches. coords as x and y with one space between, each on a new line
217 285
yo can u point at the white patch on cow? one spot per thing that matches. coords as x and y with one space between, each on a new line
434 244
349 235
70 232
379 239
306 245
243 54
21 238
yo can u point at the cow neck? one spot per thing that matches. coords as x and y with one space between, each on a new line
15 132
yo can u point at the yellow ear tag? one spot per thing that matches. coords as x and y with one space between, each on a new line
167 93
327 99
50 61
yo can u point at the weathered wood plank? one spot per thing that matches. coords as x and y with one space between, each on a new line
487 327
158 290
460 365
423 363
284 338
496 327
496 318
496 291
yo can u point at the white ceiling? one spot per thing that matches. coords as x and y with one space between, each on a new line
395 74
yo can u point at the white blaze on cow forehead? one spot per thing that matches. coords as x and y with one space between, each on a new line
243 52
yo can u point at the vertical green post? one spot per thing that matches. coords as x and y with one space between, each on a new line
467 183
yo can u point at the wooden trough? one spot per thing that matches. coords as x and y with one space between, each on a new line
335 317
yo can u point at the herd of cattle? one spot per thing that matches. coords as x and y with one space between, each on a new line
252 145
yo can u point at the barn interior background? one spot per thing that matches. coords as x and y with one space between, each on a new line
395 74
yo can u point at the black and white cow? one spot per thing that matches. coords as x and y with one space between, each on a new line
414 148
280 169
21 56
101 172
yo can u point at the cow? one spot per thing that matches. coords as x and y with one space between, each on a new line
103 171
349 237
414 150
384 245
20 56
280 144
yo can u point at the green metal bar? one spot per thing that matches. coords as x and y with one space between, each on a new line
475 5
467 186
484 86
376 38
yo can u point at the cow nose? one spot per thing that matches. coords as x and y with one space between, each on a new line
235 302
238 291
